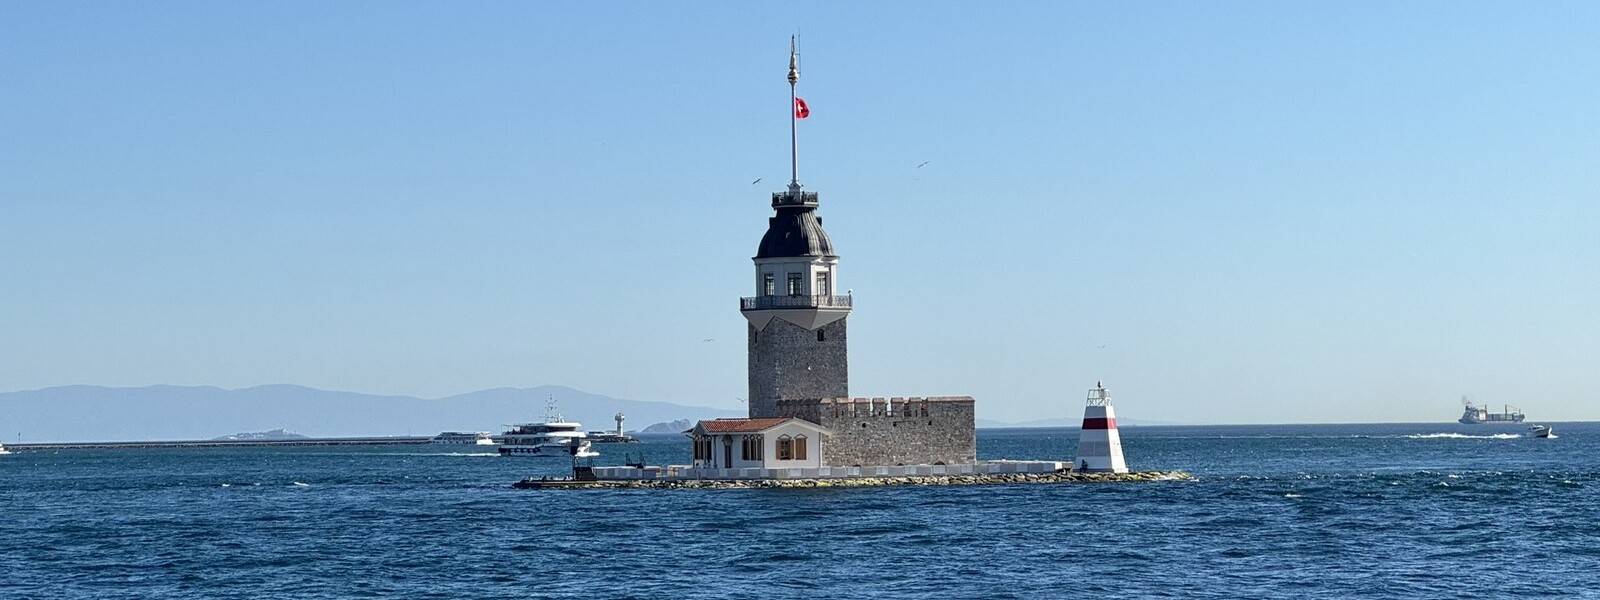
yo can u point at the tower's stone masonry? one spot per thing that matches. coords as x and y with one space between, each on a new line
788 361
897 431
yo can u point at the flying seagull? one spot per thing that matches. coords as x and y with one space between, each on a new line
924 164
712 339
758 180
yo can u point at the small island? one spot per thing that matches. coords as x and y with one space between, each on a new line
803 427
678 426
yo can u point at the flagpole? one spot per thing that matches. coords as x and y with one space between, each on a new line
794 137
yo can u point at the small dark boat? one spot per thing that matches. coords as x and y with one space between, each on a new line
581 475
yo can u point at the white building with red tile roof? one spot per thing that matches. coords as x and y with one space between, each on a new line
766 443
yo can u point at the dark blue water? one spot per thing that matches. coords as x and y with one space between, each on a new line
1329 511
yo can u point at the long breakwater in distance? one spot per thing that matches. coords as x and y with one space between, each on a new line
345 441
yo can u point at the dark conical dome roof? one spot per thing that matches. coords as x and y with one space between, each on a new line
795 232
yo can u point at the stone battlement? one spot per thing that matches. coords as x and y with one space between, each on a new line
892 431
915 406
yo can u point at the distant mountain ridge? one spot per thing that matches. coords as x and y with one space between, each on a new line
84 413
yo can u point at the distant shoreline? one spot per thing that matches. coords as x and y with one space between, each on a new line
351 441
402 440
392 440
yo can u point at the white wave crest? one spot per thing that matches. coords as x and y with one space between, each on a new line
1463 436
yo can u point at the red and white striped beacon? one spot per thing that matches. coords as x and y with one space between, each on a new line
1099 446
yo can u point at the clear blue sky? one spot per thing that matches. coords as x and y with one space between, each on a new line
1230 212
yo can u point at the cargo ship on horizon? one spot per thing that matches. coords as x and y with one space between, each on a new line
1474 414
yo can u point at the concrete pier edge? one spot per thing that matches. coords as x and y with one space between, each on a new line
920 480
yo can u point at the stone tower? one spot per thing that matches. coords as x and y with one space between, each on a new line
797 338
797 321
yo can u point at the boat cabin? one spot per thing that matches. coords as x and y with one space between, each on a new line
771 443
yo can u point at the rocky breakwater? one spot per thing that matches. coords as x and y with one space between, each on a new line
724 484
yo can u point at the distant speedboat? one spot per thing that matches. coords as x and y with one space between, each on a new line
1542 431
3 449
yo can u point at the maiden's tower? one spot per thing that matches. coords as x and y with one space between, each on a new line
799 359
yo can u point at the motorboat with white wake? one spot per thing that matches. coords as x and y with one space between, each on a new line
1542 431
555 437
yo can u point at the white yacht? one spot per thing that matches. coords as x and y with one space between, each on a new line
554 437
463 438
1542 431
3 449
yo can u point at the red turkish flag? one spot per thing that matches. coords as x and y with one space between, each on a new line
801 111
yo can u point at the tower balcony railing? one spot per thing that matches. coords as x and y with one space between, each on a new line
794 199
769 302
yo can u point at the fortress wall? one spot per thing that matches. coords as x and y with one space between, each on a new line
894 431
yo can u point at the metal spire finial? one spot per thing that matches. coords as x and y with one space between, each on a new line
794 61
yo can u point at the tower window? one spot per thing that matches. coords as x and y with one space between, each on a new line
795 284
821 289
769 285
821 337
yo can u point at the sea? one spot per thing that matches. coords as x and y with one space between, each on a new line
1275 511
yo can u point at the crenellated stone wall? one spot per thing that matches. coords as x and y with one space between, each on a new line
894 431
